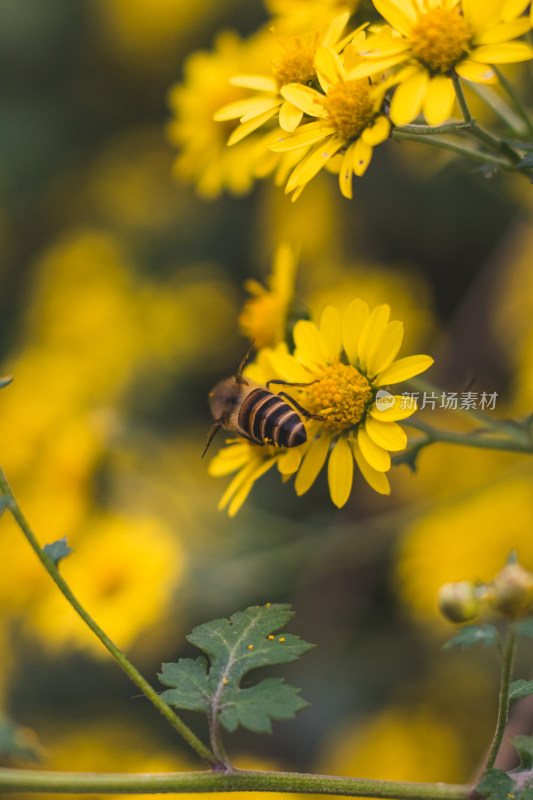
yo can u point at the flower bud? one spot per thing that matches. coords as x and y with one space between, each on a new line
511 593
459 602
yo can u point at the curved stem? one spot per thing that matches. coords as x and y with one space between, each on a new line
111 647
18 780
516 100
444 144
503 702
470 439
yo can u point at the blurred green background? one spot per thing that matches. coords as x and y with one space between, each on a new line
121 290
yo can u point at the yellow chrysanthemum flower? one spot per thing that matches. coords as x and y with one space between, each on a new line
343 363
433 41
294 65
349 118
264 315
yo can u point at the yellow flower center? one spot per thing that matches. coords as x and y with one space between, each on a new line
349 107
440 38
341 395
297 63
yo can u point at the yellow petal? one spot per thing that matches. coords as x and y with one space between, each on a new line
259 106
289 116
373 329
377 456
304 97
289 462
340 472
408 98
336 27
236 109
346 173
308 343
229 459
261 83
505 53
377 133
400 14
386 434
439 100
477 73
246 128
329 67
513 8
403 369
235 484
244 490
385 349
372 66
306 135
312 463
377 480
330 332
313 162
504 31
288 368
353 322
481 16
404 406
362 154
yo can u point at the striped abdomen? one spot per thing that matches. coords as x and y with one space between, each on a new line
267 419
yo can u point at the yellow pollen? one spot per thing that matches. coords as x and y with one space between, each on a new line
281 639
440 38
224 681
349 107
297 63
271 636
341 395
250 647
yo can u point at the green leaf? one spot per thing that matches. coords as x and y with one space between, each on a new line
524 747
235 647
520 688
474 634
255 707
5 382
58 550
190 682
16 743
524 627
495 785
527 162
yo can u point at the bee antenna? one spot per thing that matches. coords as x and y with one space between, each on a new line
213 429
243 363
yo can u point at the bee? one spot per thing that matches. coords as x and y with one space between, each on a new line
254 412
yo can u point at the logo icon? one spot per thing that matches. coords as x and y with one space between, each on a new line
384 400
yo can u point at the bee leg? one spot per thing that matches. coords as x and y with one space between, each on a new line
301 409
214 428
288 383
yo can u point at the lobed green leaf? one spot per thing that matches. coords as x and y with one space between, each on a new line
524 747
474 634
495 785
520 688
58 550
236 646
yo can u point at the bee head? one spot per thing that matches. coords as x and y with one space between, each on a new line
224 396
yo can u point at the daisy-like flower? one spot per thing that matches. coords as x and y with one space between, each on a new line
348 116
294 65
346 362
264 315
435 40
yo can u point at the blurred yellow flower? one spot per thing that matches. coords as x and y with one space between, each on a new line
467 538
124 570
264 315
337 370
435 41
295 16
204 160
400 744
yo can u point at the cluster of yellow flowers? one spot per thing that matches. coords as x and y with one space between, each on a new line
330 94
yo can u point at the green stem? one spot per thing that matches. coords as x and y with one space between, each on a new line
433 130
503 702
443 144
18 780
490 141
112 648
469 439
516 100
